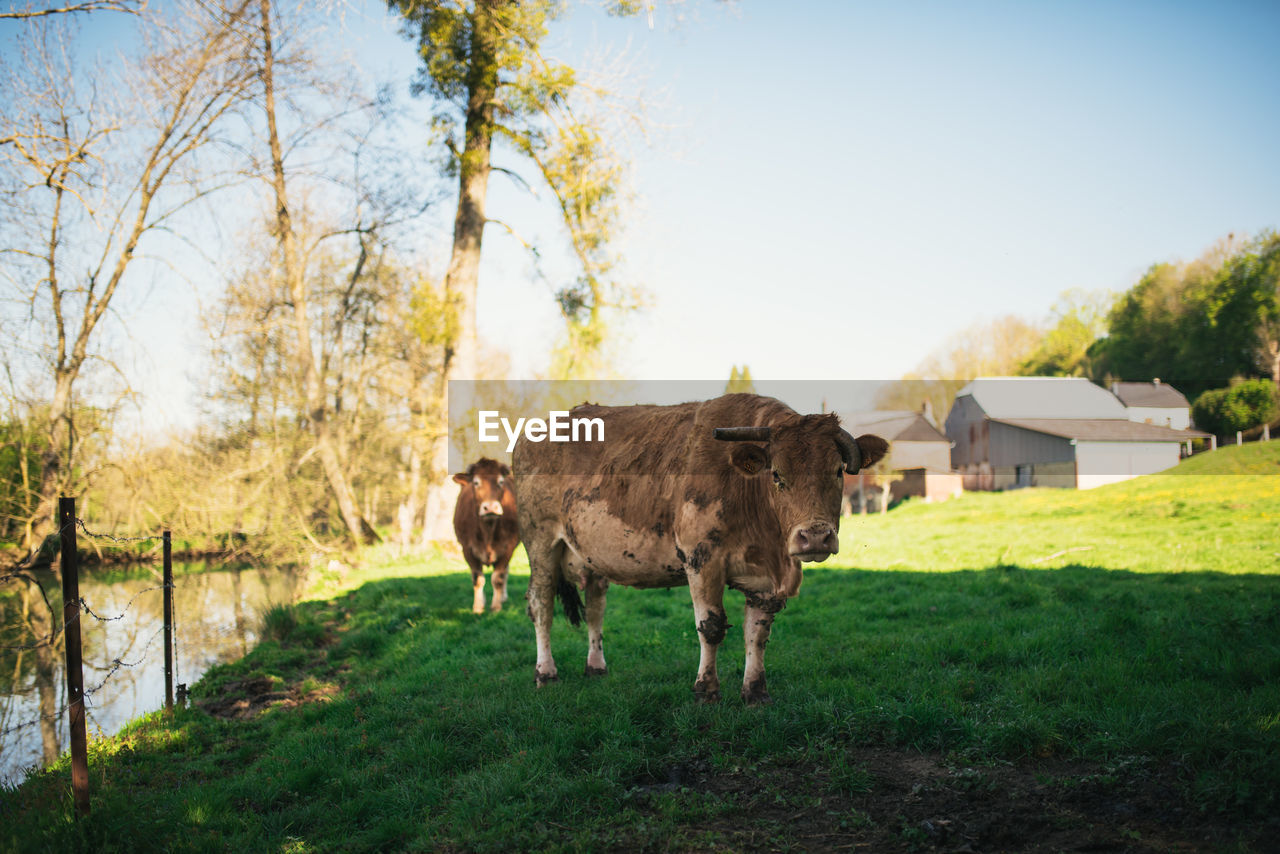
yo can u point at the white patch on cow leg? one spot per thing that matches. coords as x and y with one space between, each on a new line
540 609
544 570
596 590
498 578
756 626
477 585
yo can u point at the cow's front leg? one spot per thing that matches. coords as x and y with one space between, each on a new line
477 583
757 623
709 617
499 579
596 590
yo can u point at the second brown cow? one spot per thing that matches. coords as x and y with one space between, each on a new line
484 521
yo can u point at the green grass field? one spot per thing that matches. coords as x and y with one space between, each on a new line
1101 644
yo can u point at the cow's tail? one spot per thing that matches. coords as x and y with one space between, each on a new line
570 601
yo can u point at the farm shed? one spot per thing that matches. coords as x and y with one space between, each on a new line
917 449
1154 403
1011 432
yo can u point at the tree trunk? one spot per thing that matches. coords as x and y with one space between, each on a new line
462 279
53 477
317 411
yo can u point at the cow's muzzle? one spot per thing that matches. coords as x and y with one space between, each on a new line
814 542
490 509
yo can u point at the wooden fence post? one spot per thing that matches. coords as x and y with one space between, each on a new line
75 669
168 623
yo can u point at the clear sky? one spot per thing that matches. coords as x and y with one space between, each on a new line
833 189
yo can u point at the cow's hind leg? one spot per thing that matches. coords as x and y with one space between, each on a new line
544 576
596 590
757 623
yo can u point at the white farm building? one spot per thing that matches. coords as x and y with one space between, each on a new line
1011 432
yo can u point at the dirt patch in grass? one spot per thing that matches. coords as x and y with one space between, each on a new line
248 698
904 801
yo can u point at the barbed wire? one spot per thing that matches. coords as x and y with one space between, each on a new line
112 537
112 667
83 608
85 605
79 523
116 664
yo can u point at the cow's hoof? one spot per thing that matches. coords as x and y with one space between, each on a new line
706 693
541 679
595 671
479 610
756 694
494 608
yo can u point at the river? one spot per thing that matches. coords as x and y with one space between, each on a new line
217 617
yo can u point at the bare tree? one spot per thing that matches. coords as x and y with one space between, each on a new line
87 182
355 213
31 11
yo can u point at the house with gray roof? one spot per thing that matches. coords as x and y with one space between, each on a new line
918 450
1154 403
1011 432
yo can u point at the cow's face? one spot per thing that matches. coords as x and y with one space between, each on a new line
489 480
805 463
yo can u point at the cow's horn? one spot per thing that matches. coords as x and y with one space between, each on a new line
849 451
742 434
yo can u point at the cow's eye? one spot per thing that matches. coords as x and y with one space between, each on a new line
778 481
501 481
475 481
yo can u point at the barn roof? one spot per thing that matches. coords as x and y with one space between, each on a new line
1154 394
892 426
1101 429
1043 397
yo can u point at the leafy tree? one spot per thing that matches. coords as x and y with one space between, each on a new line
482 63
1245 404
740 381
1076 320
989 348
1196 324
21 452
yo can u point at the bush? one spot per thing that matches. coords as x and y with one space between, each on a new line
279 622
1246 404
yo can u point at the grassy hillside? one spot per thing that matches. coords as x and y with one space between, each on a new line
937 686
1217 511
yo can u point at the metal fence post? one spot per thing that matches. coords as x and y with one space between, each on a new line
75 670
168 623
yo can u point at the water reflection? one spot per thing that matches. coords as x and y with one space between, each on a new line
217 614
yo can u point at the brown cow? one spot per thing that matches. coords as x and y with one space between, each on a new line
670 498
484 521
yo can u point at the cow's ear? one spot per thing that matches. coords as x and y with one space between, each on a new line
873 449
504 470
749 459
461 477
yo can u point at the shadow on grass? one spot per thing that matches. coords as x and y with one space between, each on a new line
397 718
